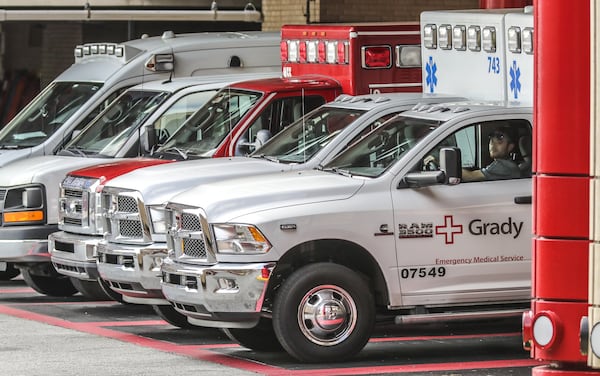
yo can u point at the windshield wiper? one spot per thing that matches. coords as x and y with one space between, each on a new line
9 147
182 153
267 157
76 150
340 171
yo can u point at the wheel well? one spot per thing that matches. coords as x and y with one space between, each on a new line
336 251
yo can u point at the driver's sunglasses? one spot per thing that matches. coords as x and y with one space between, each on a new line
497 136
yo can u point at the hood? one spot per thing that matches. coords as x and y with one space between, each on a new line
48 170
109 171
44 169
157 184
227 200
10 156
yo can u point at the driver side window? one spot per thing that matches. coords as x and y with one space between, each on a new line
484 156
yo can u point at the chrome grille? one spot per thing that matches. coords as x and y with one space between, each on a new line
187 235
2 194
194 248
130 228
77 205
125 217
73 193
190 222
126 204
72 221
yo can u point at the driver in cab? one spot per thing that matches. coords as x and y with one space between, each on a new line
501 145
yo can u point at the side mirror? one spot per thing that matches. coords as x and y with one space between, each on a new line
451 165
148 139
450 172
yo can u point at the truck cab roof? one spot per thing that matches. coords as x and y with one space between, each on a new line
283 84
179 83
444 112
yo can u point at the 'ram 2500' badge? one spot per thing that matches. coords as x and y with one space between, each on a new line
451 229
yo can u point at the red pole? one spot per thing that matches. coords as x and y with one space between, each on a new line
561 182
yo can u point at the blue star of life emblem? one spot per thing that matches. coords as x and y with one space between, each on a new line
430 78
515 79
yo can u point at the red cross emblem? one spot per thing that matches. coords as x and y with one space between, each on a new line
449 229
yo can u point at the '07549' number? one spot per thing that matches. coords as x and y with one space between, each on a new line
440 271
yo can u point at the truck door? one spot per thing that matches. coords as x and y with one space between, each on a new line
469 242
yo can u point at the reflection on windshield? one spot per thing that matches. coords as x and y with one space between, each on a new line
372 155
304 138
46 113
205 130
107 134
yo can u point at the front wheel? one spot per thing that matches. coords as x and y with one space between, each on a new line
324 312
90 289
260 338
53 285
172 316
9 272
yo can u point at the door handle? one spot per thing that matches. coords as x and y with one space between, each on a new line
523 200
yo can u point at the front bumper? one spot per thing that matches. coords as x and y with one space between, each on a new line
74 255
221 295
25 243
132 271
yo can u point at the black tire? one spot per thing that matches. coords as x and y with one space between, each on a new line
90 289
49 285
110 292
324 287
172 316
10 272
260 338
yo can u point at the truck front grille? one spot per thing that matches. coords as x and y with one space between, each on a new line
77 205
187 235
125 217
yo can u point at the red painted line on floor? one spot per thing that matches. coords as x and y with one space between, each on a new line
398 369
127 323
19 290
203 352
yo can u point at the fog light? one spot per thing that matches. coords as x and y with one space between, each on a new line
156 263
228 285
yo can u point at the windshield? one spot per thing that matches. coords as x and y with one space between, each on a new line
305 137
204 131
46 113
375 153
107 134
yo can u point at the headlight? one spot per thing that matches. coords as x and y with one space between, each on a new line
240 238
24 205
158 219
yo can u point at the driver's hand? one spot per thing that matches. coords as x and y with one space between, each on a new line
429 159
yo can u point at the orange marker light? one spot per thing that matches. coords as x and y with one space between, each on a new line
24 216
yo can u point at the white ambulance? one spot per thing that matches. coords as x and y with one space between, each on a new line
102 71
426 218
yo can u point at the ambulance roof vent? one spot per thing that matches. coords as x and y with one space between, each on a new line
360 99
437 108
382 100
343 98
169 34
460 109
